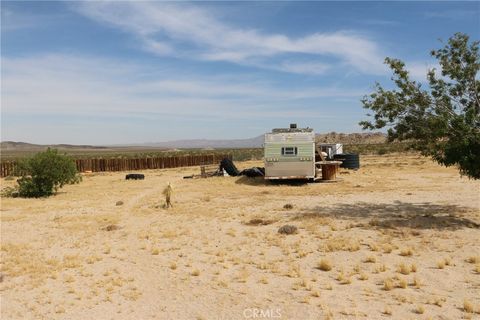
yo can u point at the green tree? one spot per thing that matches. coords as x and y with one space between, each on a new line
442 122
44 173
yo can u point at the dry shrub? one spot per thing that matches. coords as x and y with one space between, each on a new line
195 273
468 306
341 244
388 284
288 206
343 278
324 265
406 252
111 227
387 311
419 309
363 276
370 259
416 282
288 229
473 259
258 222
402 283
441 264
404 269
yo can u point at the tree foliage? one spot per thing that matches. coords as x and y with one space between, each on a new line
442 122
44 173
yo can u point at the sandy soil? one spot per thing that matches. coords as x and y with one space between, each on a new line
401 237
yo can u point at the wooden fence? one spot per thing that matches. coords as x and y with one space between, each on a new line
125 164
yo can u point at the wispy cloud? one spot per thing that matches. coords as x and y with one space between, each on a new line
76 85
190 31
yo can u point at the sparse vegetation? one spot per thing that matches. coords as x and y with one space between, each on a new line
324 265
388 284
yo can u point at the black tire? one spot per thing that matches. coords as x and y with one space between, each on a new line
134 176
349 160
228 165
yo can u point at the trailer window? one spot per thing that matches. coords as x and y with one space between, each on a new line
289 151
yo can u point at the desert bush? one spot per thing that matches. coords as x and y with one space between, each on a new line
44 173
287 229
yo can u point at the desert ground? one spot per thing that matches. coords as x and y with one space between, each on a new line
397 239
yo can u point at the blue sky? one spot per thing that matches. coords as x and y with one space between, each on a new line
131 72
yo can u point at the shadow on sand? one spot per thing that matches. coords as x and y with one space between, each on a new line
397 214
258 181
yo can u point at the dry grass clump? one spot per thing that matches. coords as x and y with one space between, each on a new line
173 266
155 251
324 265
402 283
477 268
387 311
363 276
195 273
370 259
419 309
341 244
416 282
388 284
468 307
473 259
380 268
288 206
406 252
405 269
258 222
441 264
387 248
111 227
343 278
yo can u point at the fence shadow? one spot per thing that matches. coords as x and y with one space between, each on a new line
398 214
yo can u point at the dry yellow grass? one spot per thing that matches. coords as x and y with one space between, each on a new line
388 284
58 254
468 306
324 265
420 309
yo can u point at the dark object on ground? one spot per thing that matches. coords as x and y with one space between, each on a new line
287 229
253 172
288 206
258 222
229 167
119 203
188 177
111 227
135 176
349 160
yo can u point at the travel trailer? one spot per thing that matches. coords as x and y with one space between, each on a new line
290 153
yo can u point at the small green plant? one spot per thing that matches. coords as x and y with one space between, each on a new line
44 173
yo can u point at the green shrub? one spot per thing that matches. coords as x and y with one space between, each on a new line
44 173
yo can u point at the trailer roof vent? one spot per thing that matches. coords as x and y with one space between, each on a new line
293 126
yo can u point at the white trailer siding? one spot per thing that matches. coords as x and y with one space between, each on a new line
290 155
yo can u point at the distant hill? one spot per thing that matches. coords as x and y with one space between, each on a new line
256 142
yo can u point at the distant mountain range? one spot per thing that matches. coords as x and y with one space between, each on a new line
256 142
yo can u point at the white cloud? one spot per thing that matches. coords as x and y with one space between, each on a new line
75 85
418 70
189 31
